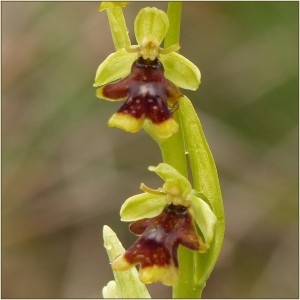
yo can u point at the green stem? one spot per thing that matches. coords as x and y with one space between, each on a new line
174 15
172 148
118 26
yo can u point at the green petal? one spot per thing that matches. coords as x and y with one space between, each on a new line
151 22
181 71
128 284
117 65
204 217
176 185
142 206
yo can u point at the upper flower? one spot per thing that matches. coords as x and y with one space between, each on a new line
148 95
173 70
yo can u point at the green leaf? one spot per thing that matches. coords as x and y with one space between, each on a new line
128 284
117 65
206 181
145 205
181 71
151 22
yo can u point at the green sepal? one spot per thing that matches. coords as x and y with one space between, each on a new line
151 22
181 71
128 284
141 206
176 185
204 217
117 65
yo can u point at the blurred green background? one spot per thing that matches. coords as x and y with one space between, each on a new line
65 173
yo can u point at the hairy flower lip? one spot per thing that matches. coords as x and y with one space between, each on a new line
148 95
156 248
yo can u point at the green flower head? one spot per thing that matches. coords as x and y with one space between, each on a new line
149 77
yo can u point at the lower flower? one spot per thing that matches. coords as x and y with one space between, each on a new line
156 249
